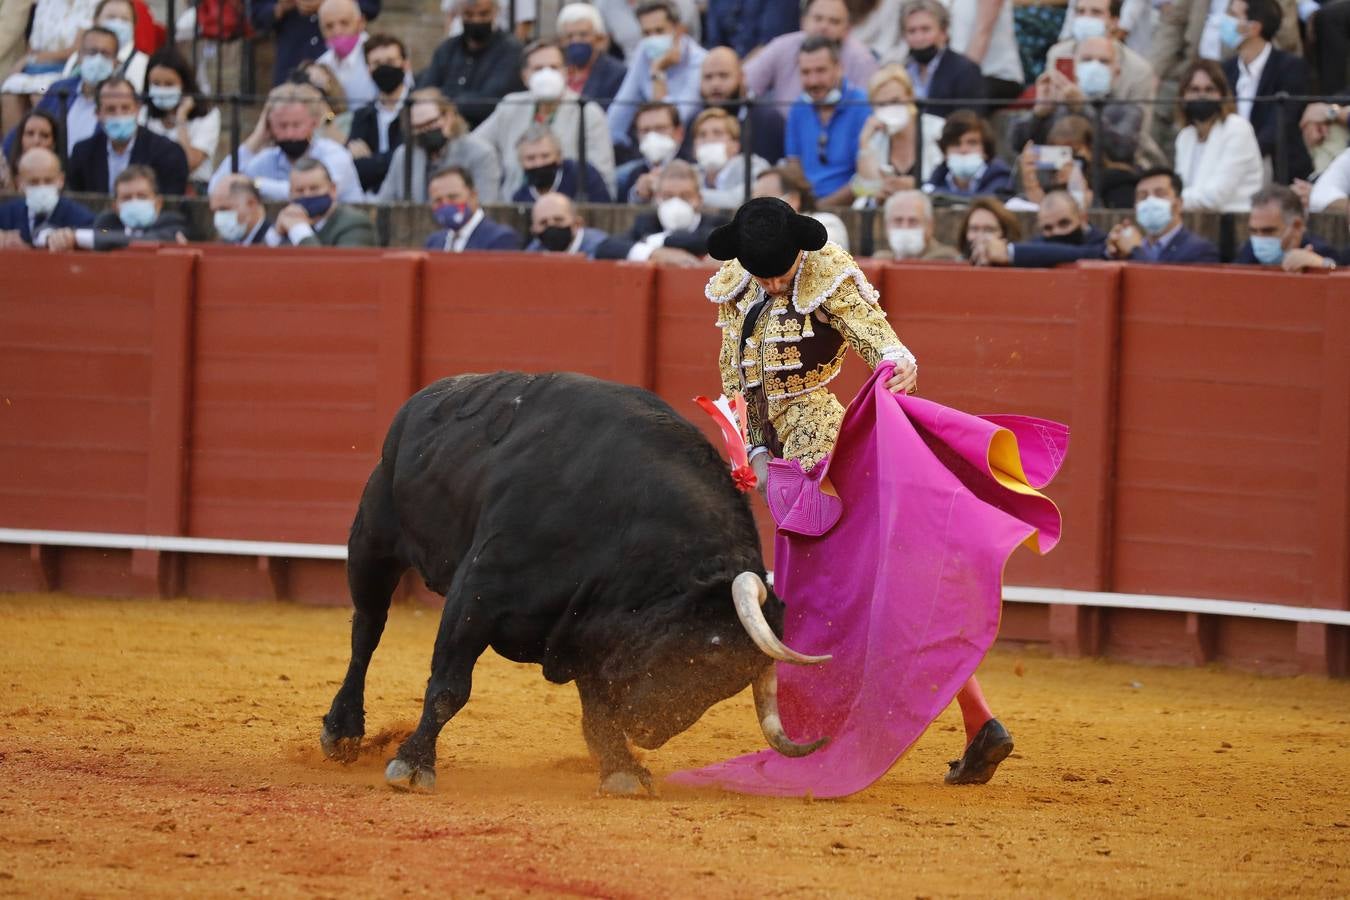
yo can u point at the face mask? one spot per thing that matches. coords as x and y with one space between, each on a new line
1153 214
343 44
137 213
165 98
906 243
555 238
1072 237
452 215
578 54
119 129
1094 77
1229 35
830 99
1200 110
547 84
1085 27
964 165
120 27
293 149
675 214
541 178
711 155
1267 250
314 207
432 141
923 55
894 116
95 68
657 148
387 78
41 198
656 45
478 32
228 226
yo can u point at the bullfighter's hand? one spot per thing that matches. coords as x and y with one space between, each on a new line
760 465
905 379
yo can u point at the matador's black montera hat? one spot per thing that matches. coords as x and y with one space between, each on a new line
765 236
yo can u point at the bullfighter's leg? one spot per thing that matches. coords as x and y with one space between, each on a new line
461 640
372 575
620 773
987 741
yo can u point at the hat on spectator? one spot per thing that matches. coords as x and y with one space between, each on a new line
765 237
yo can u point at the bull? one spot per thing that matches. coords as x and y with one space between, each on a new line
577 524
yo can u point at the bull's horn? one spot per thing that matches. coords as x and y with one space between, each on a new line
748 593
766 707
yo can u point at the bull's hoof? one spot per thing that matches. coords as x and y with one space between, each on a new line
339 749
626 784
403 777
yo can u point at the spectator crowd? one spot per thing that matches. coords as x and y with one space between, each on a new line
682 109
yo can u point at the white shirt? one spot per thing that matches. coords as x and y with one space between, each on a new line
1210 46
1249 77
1331 185
203 135
81 120
385 116
1221 173
353 74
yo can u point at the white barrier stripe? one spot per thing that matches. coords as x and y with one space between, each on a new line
1052 596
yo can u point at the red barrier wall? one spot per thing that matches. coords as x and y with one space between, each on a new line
223 393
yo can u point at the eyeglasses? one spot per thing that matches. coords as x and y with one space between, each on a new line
821 142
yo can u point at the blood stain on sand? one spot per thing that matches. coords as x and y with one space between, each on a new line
219 786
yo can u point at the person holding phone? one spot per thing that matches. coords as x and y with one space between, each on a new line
1135 82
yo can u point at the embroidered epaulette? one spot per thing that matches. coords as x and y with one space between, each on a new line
729 283
823 271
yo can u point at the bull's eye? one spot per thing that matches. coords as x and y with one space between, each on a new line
715 640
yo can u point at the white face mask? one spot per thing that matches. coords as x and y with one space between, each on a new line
120 27
711 156
42 198
895 116
228 226
906 243
657 148
676 214
547 84
1085 27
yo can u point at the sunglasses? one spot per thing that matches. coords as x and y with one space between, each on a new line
821 142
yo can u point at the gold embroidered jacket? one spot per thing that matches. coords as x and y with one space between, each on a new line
791 352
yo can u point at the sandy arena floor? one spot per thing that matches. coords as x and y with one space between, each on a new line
171 748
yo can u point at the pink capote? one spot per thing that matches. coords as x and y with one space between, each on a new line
905 590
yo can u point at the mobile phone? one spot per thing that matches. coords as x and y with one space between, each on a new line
1065 66
1052 157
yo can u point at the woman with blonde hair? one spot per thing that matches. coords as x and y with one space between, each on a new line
888 156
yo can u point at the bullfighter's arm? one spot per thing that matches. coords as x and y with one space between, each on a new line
726 359
863 325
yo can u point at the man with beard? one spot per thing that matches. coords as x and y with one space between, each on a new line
722 86
1063 237
284 134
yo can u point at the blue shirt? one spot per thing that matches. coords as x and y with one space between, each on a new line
682 89
921 84
837 141
271 170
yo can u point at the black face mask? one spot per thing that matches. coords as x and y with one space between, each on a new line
293 149
1201 110
923 55
477 32
1072 237
541 177
387 78
555 238
431 141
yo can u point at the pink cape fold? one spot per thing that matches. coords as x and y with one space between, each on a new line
905 591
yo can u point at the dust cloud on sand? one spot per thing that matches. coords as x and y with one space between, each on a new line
171 747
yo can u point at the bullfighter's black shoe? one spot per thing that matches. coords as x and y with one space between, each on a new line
991 746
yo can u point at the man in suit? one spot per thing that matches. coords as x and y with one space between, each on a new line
1260 70
314 218
376 129
137 215
464 225
296 26
1277 225
1063 237
1158 236
237 211
120 142
938 72
555 227
477 68
40 178
591 71
676 231
545 170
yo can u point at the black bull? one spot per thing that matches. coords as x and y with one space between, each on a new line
577 524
